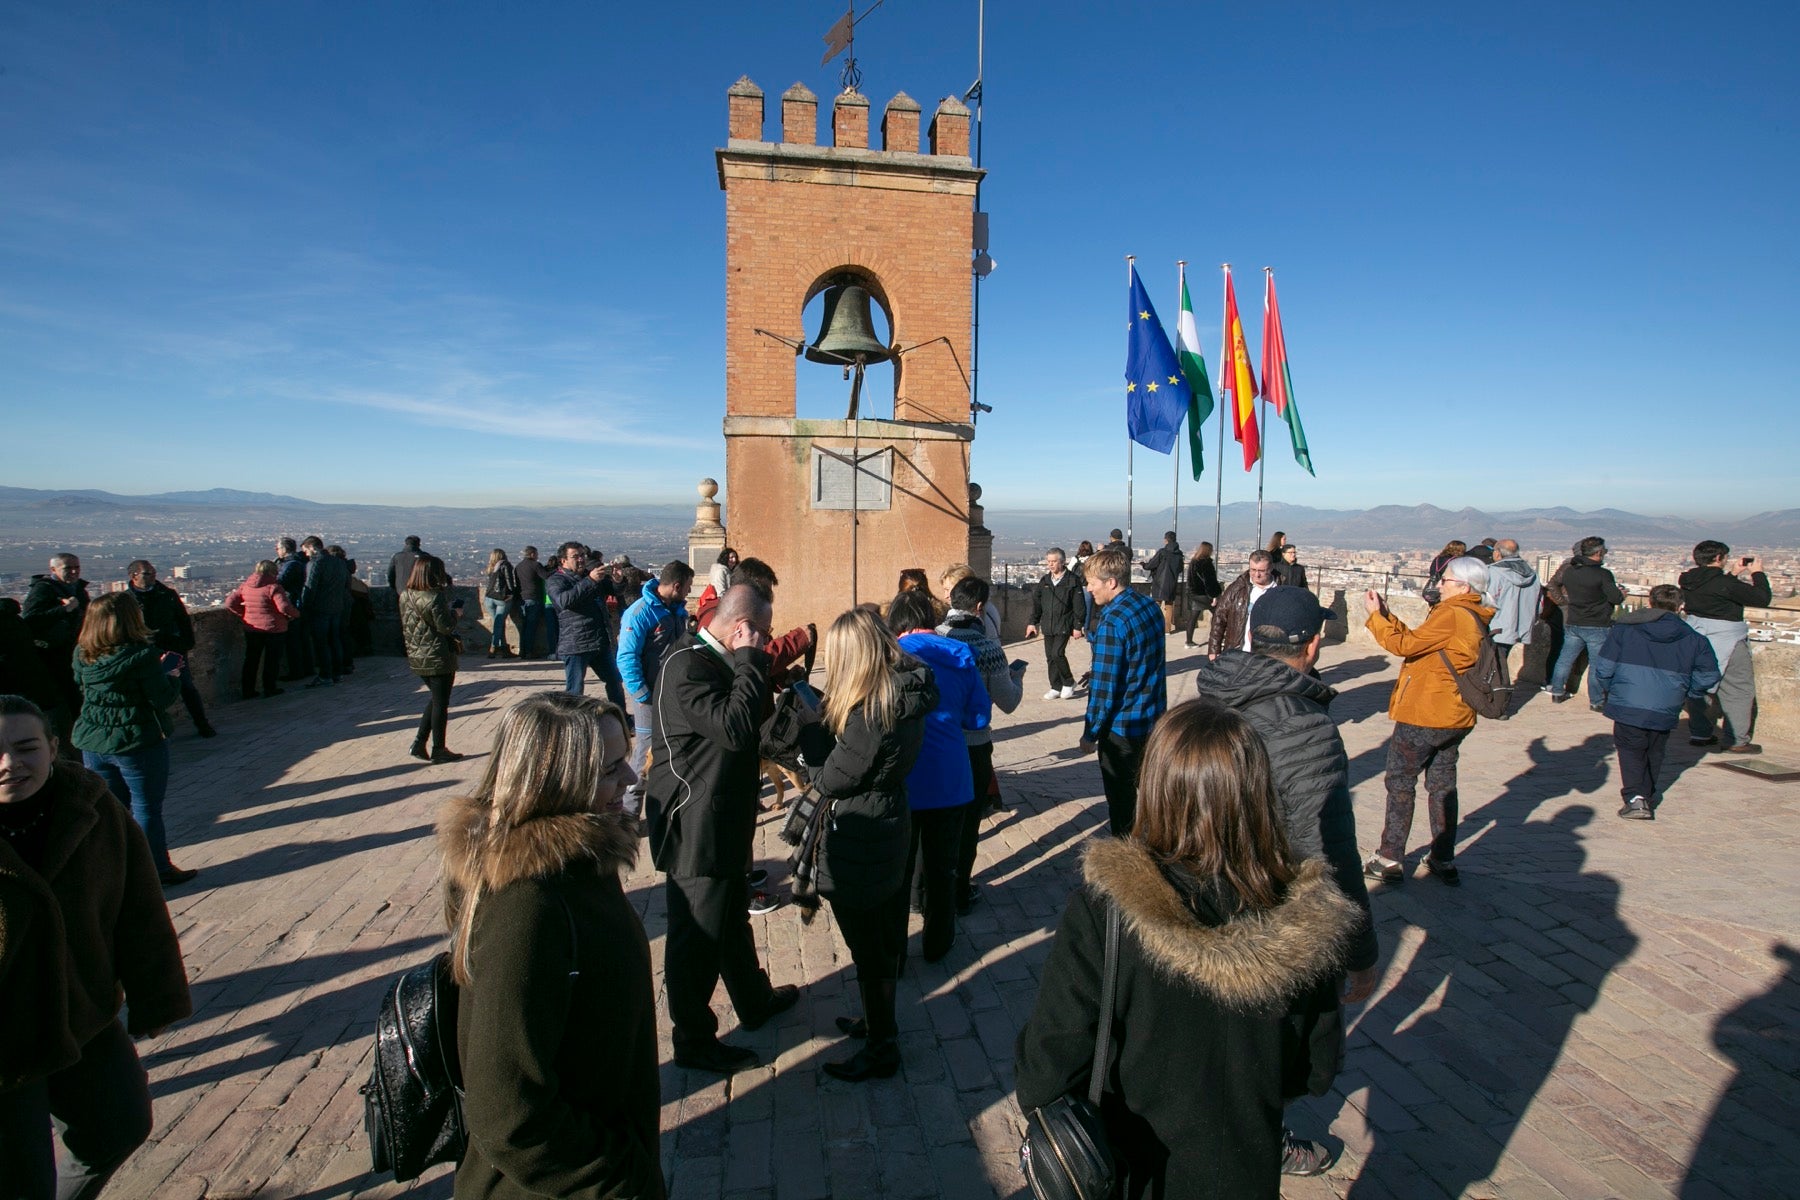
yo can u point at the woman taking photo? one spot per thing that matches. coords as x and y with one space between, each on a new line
428 624
127 686
265 610
556 1016
83 927
876 701
940 787
499 598
1226 1000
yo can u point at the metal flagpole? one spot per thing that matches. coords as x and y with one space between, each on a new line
1224 365
1262 463
1130 269
1176 523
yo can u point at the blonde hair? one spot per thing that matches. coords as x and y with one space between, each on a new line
549 754
113 621
264 567
954 574
496 556
860 655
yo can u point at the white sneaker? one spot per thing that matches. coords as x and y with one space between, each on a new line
1067 693
1053 694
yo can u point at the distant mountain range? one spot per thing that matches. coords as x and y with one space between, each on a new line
29 512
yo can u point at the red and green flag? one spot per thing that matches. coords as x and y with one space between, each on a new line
1278 384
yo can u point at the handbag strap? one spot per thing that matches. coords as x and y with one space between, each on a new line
1109 986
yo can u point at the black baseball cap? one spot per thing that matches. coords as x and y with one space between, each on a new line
1294 611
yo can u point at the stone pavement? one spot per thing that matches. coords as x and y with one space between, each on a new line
1605 1008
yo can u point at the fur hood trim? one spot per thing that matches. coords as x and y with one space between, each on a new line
475 853
1253 960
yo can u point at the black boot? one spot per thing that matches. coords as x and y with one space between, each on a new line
418 750
878 1059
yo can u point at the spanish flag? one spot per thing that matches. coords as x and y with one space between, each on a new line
1237 386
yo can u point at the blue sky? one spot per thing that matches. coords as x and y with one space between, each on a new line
1528 255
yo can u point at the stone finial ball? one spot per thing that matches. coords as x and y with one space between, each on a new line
974 492
708 488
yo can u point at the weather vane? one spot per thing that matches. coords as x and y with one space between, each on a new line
842 36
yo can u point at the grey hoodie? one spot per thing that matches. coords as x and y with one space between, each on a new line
1513 592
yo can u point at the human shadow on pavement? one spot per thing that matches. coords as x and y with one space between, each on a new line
1752 1124
1339 673
1445 1063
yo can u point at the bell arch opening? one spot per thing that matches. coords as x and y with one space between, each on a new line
822 389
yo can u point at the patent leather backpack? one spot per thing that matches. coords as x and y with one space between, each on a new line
412 1104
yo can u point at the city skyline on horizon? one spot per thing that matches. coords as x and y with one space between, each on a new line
471 259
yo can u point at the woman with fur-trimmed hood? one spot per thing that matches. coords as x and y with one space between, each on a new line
1226 1005
556 1016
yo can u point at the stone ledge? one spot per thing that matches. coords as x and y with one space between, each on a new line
868 427
848 166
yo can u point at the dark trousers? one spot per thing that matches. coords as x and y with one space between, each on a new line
931 877
604 664
190 695
1056 660
435 721
709 939
876 936
1412 749
262 655
296 644
981 764
1119 758
1504 651
100 1106
1195 606
326 630
1640 759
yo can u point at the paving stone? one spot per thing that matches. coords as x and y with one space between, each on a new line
1598 1011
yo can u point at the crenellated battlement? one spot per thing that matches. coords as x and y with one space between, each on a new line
900 122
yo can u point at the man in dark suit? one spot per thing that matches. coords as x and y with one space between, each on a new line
711 695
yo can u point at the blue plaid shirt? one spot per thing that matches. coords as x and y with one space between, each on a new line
1130 688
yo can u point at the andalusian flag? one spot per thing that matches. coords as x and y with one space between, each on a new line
1278 385
1237 386
1193 365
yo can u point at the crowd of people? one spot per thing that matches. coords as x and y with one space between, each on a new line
1229 902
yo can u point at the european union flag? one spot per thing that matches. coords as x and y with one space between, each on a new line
1156 393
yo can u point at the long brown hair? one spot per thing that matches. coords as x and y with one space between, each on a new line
427 574
1206 803
1276 541
113 621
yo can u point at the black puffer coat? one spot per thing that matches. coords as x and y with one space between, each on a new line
580 605
167 616
1058 607
863 859
1221 1015
1312 772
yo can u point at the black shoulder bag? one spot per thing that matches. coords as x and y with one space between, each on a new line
1065 1155
413 1102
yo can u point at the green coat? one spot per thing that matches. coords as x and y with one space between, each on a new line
125 699
556 1028
429 628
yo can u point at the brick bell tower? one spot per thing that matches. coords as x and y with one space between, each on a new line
800 216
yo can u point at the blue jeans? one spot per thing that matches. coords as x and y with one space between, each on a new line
100 1105
496 611
327 637
139 780
1575 639
605 665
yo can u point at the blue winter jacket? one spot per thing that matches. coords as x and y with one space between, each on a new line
1651 663
941 777
646 631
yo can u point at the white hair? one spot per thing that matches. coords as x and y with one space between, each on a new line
1470 571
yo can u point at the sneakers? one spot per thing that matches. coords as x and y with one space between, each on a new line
1068 693
1300 1156
1445 872
1384 870
1053 694
1637 809
763 902
757 878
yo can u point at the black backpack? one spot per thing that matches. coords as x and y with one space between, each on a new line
1486 686
412 1104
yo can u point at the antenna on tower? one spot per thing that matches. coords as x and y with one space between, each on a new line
842 36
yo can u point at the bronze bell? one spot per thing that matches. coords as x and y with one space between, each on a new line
848 332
